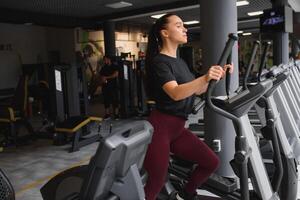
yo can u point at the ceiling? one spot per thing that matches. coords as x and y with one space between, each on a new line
91 13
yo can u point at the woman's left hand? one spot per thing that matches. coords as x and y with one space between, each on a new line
228 66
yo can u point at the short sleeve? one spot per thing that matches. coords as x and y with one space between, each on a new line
162 73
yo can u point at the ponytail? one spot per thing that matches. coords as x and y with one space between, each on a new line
153 48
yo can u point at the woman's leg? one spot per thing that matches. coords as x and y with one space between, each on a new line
157 157
156 164
189 147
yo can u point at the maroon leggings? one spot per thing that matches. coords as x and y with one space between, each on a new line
171 136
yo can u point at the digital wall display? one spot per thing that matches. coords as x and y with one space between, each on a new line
278 19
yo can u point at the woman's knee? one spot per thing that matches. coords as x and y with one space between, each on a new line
214 163
209 163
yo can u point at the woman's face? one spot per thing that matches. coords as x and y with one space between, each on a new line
175 30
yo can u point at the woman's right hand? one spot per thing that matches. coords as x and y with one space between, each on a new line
215 72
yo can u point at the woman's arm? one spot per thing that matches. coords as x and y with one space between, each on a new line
197 86
182 91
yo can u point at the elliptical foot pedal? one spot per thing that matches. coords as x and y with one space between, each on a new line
221 183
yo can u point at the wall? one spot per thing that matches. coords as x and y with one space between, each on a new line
32 43
21 44
10 69
61 40
27 41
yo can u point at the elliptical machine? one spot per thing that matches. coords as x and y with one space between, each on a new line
273 130
247 155
113 172
6 190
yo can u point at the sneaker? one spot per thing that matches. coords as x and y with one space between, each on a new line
178 197
173 195
182 195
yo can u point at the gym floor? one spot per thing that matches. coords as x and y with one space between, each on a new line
30 166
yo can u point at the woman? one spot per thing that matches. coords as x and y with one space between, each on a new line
170 83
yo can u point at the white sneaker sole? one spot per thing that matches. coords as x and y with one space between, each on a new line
178 197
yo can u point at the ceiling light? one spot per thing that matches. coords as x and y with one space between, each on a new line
121 4
242 3
239 32
157 16
191 22
255 13
245 34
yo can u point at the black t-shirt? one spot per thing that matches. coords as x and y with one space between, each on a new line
108 70
165 69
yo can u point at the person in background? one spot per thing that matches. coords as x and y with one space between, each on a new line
109 81
298 56
173 87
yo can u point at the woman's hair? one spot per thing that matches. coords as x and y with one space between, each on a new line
153 48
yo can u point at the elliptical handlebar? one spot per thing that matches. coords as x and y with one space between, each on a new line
263 60
249 68
232 38
228 76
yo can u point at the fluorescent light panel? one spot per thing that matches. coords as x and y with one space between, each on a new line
157 16
191 22
245 34
242 3
121 4
239 32
255 13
